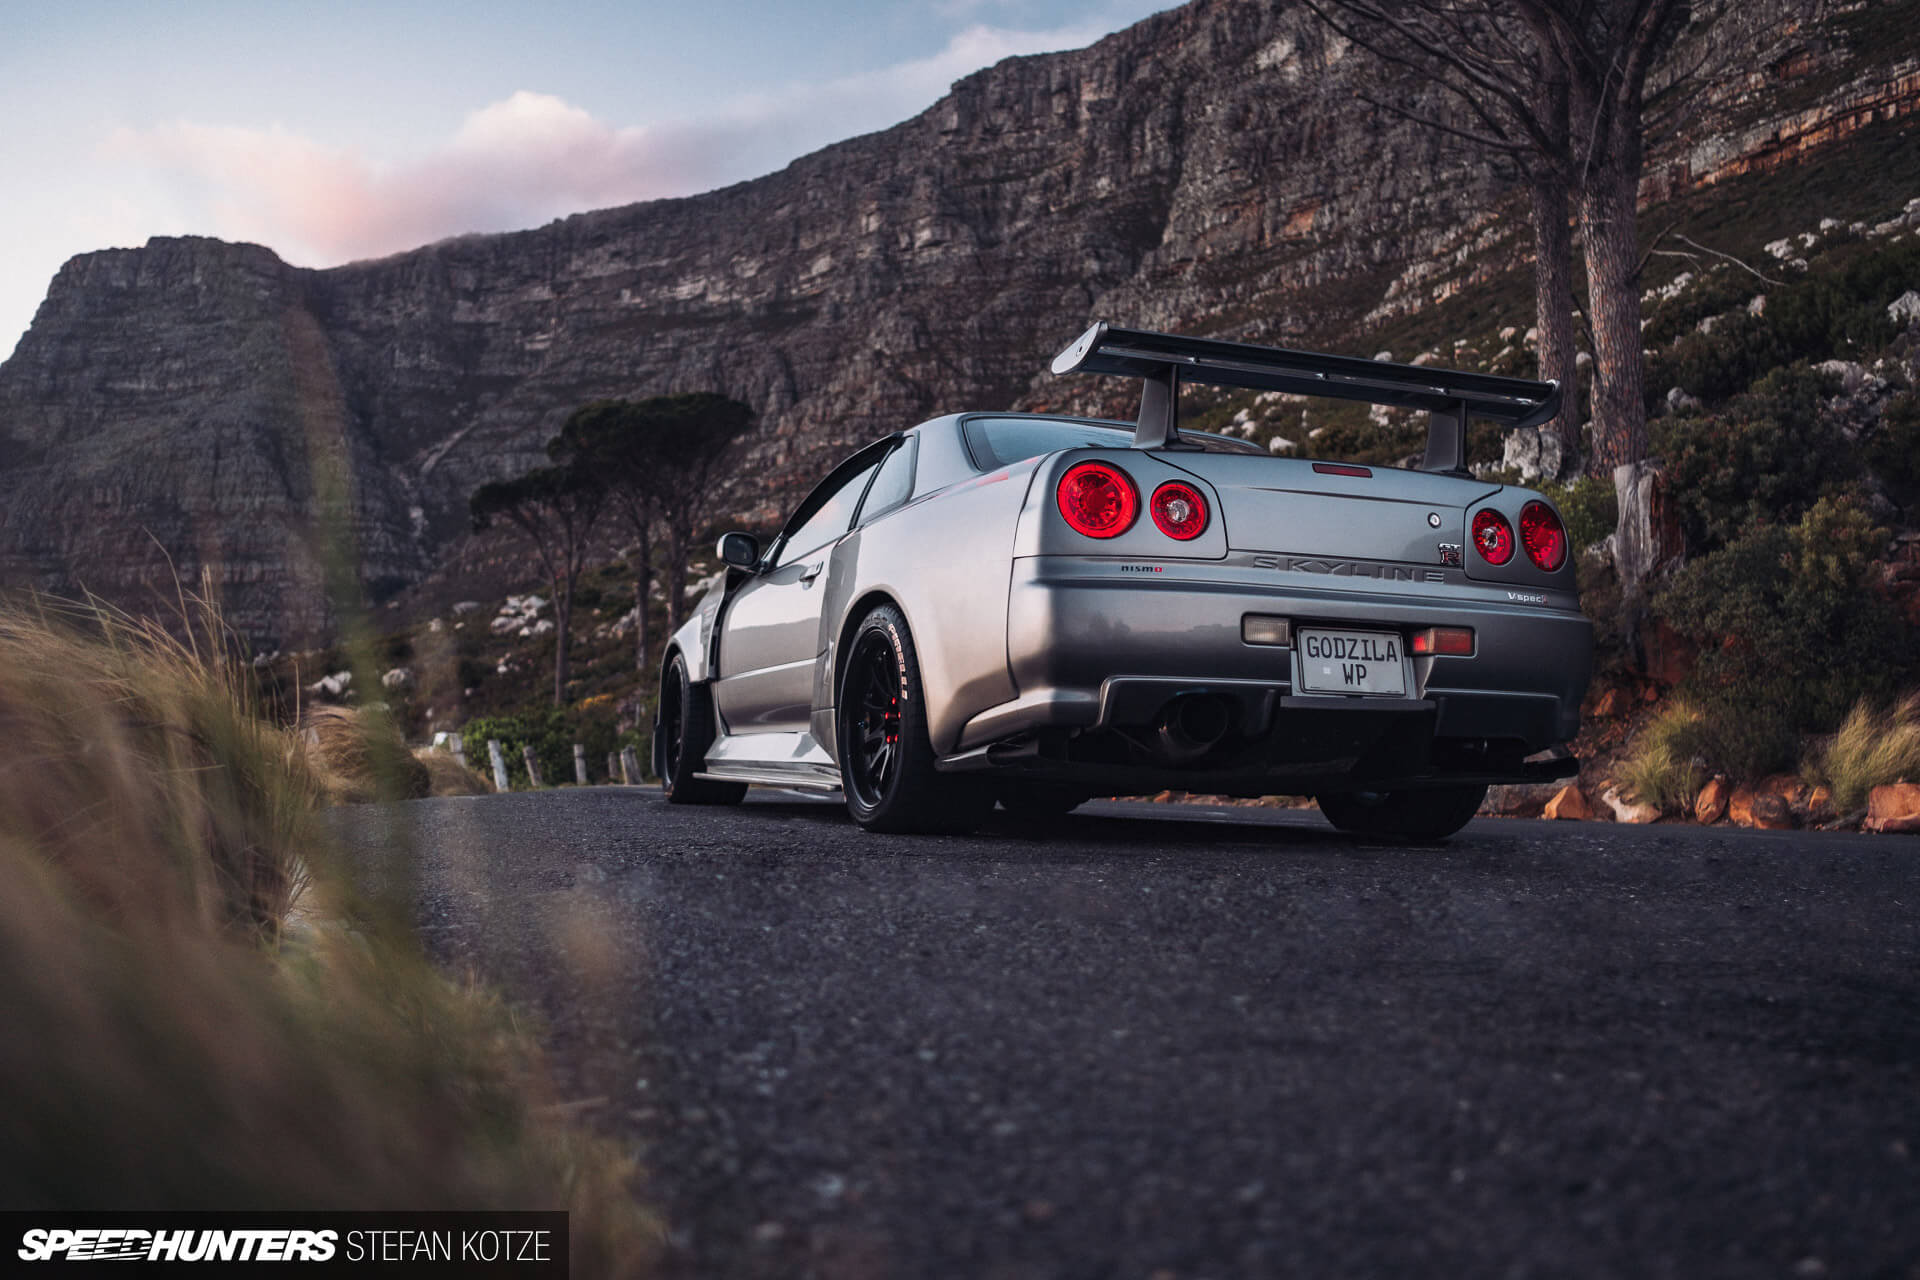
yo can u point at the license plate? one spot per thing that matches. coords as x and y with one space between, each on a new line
1351 661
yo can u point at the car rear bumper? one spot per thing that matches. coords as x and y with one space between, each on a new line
1100 644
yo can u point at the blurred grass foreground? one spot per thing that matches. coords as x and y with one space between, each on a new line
197 1012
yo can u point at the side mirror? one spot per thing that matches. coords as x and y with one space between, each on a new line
741 550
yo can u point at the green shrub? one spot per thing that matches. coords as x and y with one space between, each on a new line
1893 450
1710 295
1871 749
1839 311
551 732
1791 628
1766 457
1590 507
1669 760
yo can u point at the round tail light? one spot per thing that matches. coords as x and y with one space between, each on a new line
1544 537
1493 537
1179 511
1097 499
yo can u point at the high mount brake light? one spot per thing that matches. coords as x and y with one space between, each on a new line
1342 469
1097 499
1179 511
1544 537
1493 537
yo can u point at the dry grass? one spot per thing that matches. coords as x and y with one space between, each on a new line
448 777
1872 748
1667 766
177 1035
359 754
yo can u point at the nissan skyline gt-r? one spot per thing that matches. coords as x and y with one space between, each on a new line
1033 610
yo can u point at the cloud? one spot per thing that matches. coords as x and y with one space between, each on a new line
532 157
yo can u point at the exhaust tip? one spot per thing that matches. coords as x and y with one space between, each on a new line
1190 724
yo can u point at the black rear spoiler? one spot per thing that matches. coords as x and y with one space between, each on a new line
1450 396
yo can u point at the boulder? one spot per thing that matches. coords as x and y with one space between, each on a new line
1760 809
1614 702
1711 804
1894 809
1625 810
1535 452
1570 803
398 678
1904 309
1522 800
1818 805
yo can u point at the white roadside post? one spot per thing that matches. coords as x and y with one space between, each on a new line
579 764
613 766
458 748
630 766
533 766
499 764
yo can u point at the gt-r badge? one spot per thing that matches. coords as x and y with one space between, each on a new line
1450 554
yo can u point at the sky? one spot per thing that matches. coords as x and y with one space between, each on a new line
351 130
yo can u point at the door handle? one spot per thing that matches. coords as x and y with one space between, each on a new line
812 571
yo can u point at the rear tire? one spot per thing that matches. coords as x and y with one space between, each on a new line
1409 815
682 732
886 758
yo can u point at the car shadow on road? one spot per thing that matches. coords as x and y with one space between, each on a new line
1109 827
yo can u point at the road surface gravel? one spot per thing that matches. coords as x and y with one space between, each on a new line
1165 1041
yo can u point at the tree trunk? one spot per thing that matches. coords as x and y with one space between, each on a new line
1608 224
562 628
642 598
678 539
1552 300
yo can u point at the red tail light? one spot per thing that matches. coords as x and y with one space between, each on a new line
1493 537
1179 511
1097 499
1450 642
1544 537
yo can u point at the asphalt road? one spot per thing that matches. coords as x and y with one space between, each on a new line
1158 1041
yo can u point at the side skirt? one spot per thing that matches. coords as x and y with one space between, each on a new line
773 759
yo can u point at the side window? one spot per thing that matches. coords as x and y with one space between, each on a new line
894 484
829 520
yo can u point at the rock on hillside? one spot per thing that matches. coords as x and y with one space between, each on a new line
197 405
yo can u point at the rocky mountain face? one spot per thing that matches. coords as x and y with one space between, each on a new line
194 406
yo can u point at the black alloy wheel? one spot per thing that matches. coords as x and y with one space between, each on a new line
683 729
886 759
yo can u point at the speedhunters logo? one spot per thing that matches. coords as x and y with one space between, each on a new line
106 1244
448 1244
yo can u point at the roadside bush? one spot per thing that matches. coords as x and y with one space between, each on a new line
1893 451
1872 748
177 1034
1791 628
1839 312
1719 291
1766 457
358 754
1669 760
1715 366
551 732
1590 507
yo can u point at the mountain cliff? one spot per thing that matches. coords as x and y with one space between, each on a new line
194 405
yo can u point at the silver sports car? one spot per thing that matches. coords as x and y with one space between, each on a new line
1033 610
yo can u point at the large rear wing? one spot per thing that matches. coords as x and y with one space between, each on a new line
1165 360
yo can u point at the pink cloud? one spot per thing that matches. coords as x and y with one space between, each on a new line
532 157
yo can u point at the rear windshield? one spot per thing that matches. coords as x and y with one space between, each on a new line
998 442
